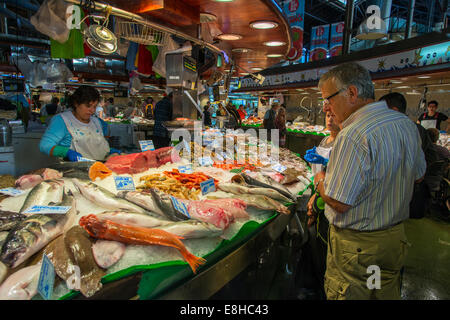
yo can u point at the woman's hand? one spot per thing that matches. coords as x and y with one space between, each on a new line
310 213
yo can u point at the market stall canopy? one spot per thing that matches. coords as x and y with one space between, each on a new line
222 18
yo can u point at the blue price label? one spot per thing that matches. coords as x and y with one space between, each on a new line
124 183
186 169
279 167
207 186
12 192
83 159
46 278
47 210
146 145
205 161
180 206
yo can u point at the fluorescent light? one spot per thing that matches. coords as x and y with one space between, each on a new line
274 55
241 50
263 25
403 87
257 69
244 74
274 43
396 81
423 77
229 36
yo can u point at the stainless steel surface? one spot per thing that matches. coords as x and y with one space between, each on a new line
5 134
208 282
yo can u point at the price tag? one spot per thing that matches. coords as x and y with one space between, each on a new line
12 192
83 159
47 210
279 167
46 278
205 161
186 169
146 145
124 183
207 186
180 206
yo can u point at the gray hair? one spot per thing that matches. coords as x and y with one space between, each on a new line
354 74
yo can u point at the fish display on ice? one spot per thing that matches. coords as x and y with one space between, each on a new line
22 284
107 253
258 201
30 180
105 198
260 180
134 218
29 236
3 235
9 220
142 199
79 246
192 229
243 188
45 193
108 230
209 212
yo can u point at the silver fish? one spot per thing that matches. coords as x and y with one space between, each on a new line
192 229
46 193
142 199
133 218
105 198
258 201
261 180
9 219
247 189
29 236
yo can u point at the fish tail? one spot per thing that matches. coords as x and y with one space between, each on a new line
193 261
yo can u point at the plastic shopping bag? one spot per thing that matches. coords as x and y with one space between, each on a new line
50 20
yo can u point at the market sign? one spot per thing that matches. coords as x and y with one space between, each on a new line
409 59
319 42
337 34
294 10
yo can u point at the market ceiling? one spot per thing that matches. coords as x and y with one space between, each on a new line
231 17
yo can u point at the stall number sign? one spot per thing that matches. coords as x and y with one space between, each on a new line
186 169
205 161
279 167
12 192
180 206
124 183
47 210
146 145
207 186
46 278
83 159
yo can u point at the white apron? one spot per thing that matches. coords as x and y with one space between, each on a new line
427 124
87 138
324 152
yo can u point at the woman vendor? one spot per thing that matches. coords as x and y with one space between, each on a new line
77 132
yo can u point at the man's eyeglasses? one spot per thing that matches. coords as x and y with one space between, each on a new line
327 99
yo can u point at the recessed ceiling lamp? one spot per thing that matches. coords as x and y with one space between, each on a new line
244 74
229 36
257 69
274 55
423 77
241 50
403 87
396 81
263 24
274 43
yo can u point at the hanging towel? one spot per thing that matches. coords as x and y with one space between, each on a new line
71 49
145 61
131 56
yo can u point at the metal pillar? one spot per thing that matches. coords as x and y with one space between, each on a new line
431 16
409 21
348 26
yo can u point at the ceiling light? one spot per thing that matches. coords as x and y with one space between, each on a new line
414 92
229 36
368 31
274 43
241 50
274 55
263 25
403 87
299 89
257 69
423 77
244 74
396 81
207 17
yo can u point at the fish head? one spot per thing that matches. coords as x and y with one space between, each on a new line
12 251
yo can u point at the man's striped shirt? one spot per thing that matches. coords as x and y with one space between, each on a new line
375 160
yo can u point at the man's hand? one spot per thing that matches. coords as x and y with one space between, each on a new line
310 213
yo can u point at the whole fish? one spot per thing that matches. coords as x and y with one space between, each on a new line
142 199
133 218
46 193
3 272
206 211
260 180
192 229
9 219
29 236
22 284
79 246
107 253
108 230
259 201
3 235
28 181
165 205
105 198
247 189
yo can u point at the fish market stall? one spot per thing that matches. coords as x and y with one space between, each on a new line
301 136
154 224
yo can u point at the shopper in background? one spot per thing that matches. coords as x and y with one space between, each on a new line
421 194
242 112
221 110
269 119
50 110
100 111
149 107
432 118
163 112
280 124
130 111
206 115
375 161
110 108
234 121
77 132
442 152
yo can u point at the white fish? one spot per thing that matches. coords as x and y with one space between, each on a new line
21 285
45 193
246 189
133 218
192 229
107 253
3 272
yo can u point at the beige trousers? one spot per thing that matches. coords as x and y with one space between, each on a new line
365 265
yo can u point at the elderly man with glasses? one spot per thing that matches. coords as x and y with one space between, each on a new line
375 161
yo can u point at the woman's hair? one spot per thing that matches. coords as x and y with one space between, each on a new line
348 74
433 133
84 94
